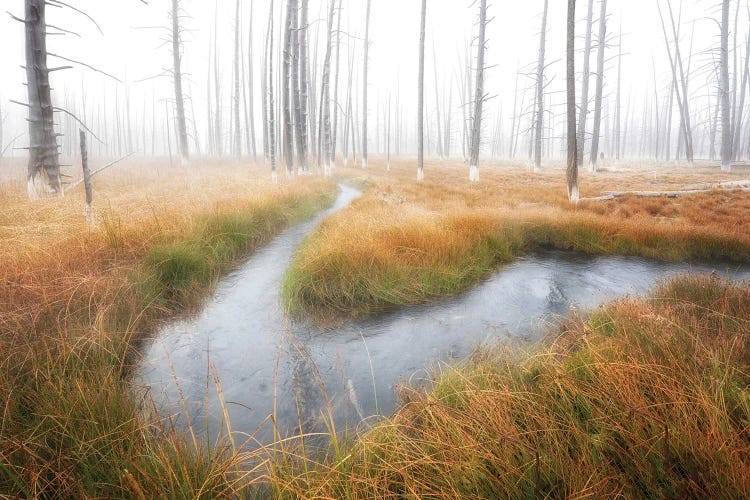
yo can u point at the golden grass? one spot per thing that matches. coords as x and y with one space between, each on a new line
75 300
406 243
646 398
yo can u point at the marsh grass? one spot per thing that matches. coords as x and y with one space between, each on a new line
405 244
645 398
76 301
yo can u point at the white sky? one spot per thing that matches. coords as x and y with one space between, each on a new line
133 54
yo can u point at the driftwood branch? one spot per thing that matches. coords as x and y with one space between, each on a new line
729 187
105 167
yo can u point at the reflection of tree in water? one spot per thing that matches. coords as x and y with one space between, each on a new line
557 301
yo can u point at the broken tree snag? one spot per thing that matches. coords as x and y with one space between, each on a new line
87 179
479 97
44 156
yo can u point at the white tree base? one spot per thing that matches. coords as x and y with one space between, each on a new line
726 168
364 163
89 215
31 190
420 175
574 195
274 177
474 173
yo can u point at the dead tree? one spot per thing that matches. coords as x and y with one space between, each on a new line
618 111
584 110
286 81
270 125
739 110
44 155
325 132
364 85
177 78
336 104
251 81
479 97
87 179
420 98
602 42
572 172
237 136
437 104
726 120
540 91
304 85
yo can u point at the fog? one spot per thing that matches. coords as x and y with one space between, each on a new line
131 48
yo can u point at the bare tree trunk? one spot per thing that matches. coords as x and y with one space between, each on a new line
602 42
270 126
325 132
476 134
681 99
251 85
726 125
302 114
287 88
540 91
336 104
87 179
388 137
572 172
44 155
177 76
618 111
237 135
740 110
420 97
364 86
437 104
584 111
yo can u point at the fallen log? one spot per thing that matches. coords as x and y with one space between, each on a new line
724 187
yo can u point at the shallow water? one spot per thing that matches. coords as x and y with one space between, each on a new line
267 365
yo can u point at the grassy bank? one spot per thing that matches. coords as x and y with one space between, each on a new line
645 399
406 244
74 301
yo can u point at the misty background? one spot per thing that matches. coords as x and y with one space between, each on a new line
132 48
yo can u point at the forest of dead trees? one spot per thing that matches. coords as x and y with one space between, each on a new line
301 102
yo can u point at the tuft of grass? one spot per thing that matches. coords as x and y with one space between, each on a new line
405 244
647 398
74 304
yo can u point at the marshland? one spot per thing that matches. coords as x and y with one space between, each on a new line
375 249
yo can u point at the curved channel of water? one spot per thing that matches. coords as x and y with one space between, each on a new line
267 365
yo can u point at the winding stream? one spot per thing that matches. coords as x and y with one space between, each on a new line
269 365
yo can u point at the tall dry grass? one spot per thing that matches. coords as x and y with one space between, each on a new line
75 301
646 398
406 243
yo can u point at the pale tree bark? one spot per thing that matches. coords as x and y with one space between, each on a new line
364 85
572 172
618 111
726 124
420 96
740 110
336 104
302 125
683 84
87 179
584 110
252 147
270 125
177 77
437 104
476 133
325 132
44 155
602 42
540 91
295 85
237 136
286 82
388 138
